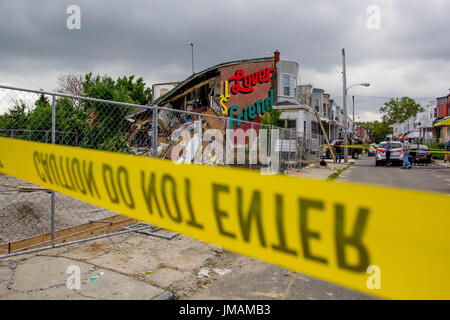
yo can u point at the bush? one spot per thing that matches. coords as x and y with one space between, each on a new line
438 145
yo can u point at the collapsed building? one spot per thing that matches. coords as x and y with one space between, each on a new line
231 95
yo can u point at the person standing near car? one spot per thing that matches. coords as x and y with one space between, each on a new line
388 152
338 151
406 163
447 155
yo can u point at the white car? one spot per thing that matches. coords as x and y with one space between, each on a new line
396 153
372 151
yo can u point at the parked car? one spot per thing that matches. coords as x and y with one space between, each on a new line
372 151
419 155
396 153
354 152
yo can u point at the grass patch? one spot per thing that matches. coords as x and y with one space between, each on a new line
336 174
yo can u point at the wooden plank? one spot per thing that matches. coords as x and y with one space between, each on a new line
24 188
85 230
59 233
325 134
93 232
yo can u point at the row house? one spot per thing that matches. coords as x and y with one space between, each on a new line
362 134
407 127
443 106
419 126
296 114
330 114
443 112
424 120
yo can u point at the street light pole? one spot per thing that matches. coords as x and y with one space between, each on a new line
192 51
344 91
353 124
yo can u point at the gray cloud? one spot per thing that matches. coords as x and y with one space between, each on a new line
151 39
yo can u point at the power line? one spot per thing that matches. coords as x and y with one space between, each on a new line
386 98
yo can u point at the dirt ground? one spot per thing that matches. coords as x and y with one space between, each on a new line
25 214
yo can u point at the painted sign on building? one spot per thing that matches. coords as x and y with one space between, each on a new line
246 92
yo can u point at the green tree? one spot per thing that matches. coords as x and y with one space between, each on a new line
396 110
107 122
15 118
378 131
70 122
271 118
83 123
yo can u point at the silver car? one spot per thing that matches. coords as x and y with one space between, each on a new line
396 153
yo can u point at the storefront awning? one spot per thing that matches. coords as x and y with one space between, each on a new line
445 122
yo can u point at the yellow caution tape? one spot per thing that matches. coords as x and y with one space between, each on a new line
388 242
366 147
348 146
428 151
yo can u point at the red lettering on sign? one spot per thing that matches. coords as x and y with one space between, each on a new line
246 83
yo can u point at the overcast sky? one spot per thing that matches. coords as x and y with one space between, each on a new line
408 55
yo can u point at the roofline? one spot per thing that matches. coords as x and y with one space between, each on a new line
158 84
195 75
294 61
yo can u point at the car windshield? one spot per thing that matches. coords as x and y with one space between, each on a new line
423 147
394 145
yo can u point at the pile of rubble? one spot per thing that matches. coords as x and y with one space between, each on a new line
175 133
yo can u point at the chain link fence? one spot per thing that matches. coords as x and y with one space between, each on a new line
198 136
28 210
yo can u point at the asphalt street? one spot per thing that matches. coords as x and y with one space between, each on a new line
433 177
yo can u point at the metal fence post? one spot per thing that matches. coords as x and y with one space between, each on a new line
155 132
250 138
198 154
280 153
270 144
53 193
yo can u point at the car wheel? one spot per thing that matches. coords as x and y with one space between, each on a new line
377 163
355 155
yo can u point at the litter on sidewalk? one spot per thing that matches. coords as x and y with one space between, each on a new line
222 272
203 273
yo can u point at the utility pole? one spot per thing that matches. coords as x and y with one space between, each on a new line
353 103
192 51
344 91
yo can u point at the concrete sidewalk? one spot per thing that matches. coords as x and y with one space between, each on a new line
129 266
441 163
322 172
